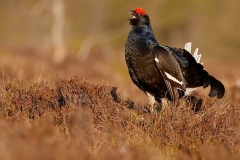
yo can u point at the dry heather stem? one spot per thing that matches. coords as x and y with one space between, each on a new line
80 120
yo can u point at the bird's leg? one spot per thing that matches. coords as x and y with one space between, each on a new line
155 105
195 102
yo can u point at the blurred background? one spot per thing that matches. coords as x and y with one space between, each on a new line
52 39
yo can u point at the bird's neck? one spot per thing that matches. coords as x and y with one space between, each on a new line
142 29
145 33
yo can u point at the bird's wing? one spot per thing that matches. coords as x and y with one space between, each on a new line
189 66
195 75
183 61
169 69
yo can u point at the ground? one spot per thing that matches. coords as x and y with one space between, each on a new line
92 110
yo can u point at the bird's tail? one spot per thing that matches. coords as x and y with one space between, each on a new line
196 76
197 57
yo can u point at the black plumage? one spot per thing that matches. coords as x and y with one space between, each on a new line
163 71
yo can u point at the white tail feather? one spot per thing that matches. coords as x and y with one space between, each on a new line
188 46
197 57
196 52
189 91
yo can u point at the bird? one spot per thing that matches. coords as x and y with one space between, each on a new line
163 72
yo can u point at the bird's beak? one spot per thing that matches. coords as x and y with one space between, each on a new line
133 13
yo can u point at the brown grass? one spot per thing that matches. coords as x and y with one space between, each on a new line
80 120
77 118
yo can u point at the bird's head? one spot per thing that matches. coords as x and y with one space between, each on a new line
139 17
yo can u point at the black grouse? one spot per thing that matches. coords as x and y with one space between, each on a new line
162 71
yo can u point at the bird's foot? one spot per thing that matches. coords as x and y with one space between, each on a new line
195 102
156 108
